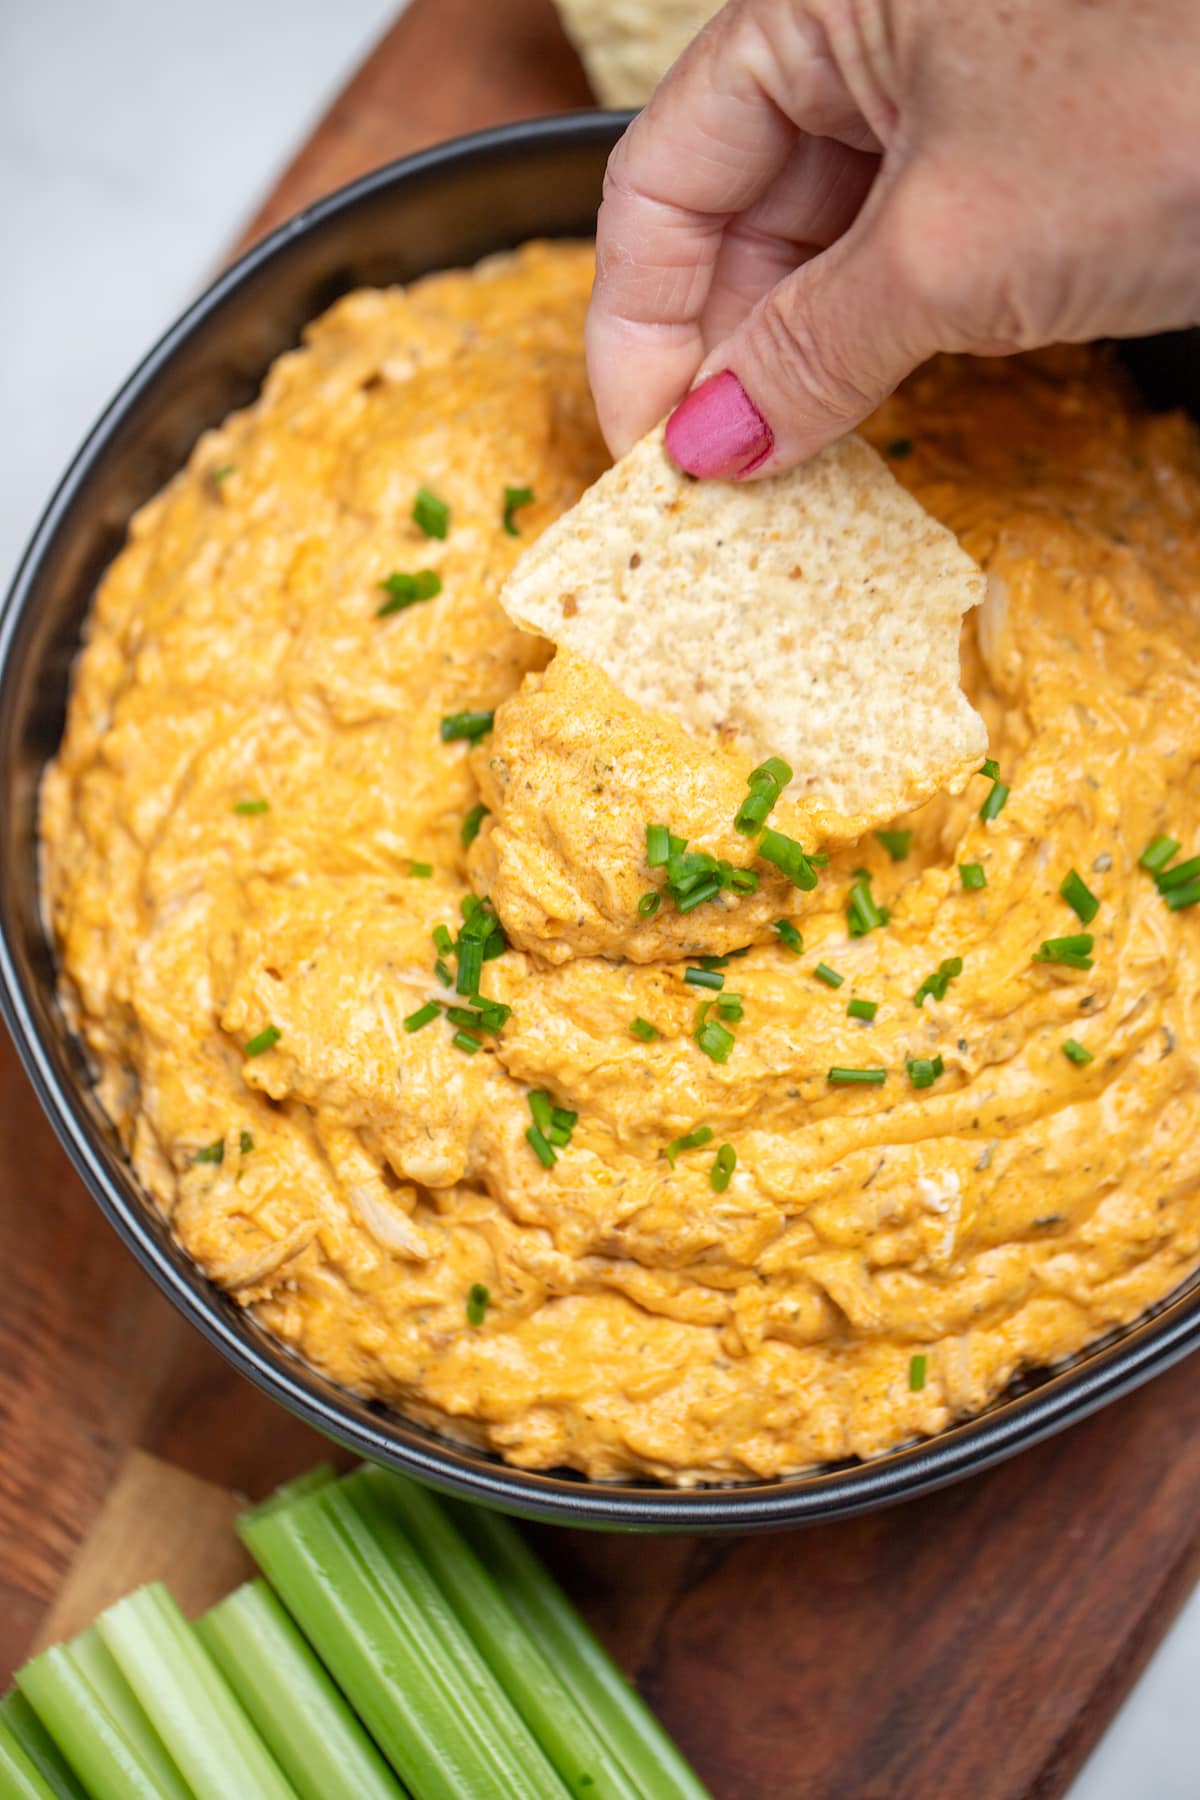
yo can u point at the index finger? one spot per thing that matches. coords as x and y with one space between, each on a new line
700 153
716 133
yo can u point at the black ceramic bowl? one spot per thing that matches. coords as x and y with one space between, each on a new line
446 206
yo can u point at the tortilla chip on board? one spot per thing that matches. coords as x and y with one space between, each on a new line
627 45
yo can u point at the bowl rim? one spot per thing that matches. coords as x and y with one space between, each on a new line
1098 1375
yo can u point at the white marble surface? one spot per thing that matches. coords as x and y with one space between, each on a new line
135 136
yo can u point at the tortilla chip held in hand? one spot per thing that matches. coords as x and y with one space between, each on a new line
813 615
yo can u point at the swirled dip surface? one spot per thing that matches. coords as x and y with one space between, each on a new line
253 777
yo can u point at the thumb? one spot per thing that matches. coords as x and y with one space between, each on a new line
812 359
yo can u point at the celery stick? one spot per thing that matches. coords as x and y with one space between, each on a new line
22 1722
90 1656
188 1701
403 1582
19 1776
299 1488
105 1762
585 1761
618 1713
397 1681
299 1713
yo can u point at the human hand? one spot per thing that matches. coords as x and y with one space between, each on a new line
821 195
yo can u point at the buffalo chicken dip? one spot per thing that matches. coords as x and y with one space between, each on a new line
849 1137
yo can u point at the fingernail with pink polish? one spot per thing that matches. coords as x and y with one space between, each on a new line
718 430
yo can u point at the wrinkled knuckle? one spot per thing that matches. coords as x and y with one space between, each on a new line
805 363
616 184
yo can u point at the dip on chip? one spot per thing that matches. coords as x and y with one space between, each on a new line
814 615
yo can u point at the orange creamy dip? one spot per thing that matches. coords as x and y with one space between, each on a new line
353 1181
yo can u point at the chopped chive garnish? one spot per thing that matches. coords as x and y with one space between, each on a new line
721 1173
541 1108
553 1124
245 1143
477 1303
468 831
729 1006
1075 1051
772 773
971 875
923 1071
250 809
513 498
442 940
489 1016
443 972
862 914
222 474
693 876
991 768
789 936
993 806
916 1373
1073 952
541 1146
480 939
468 725
704 890
431 514
658 846
211 1153
1158 853
898 449
789 858
424 1015
896 843
752 814
466 1016
704 978
1179 897
693 1140
703 1008
466 1040
1079 896
1179 876
718 962
686 867
765 784
420 871
470 965
265 1040
405 590
863 1009
649 903
857 1077
829 976
934 986
715 1041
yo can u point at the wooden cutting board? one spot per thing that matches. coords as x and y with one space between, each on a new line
973 1645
